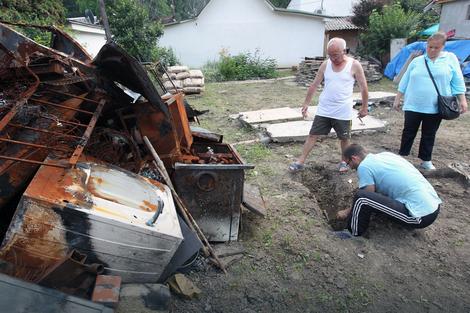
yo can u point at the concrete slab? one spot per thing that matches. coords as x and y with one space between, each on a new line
270 115
298 130
375 95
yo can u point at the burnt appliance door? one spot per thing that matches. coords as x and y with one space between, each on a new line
213 195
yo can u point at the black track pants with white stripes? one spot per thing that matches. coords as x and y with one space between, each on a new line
366 202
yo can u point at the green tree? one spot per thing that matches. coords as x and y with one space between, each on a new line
393 22
157 9
186 9
364 8
44 12
133 29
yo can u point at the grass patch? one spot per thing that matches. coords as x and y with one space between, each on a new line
254 153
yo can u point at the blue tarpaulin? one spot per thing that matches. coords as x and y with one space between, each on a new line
461 48
430 31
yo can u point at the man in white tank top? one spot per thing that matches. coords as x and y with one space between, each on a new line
335 107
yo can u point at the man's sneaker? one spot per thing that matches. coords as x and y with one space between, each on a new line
427 165
343 167
296 167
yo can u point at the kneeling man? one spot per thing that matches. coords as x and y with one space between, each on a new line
391 185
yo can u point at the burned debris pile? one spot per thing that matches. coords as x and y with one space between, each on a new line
89 152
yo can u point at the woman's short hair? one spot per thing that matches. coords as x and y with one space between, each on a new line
441 36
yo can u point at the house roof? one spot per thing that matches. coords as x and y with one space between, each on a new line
84 22
340 23
271 6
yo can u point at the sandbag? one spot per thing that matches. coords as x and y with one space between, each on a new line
178 69
182 75
195 74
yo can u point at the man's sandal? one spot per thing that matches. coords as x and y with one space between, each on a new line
296 167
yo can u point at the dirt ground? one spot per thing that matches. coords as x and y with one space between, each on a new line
294 262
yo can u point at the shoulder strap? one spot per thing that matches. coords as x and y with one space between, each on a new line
432 78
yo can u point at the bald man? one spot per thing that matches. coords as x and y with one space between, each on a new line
335 107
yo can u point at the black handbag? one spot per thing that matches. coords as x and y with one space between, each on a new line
447 106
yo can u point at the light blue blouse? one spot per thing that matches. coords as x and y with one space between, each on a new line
416 84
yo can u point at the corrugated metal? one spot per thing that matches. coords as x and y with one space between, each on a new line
340 23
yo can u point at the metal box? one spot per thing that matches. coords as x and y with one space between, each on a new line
213 192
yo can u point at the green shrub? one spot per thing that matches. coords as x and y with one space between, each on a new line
211 72
393 22
240 67
166 56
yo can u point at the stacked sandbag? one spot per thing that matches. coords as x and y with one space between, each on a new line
184 79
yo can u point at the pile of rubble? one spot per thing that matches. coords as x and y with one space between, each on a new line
181 78
307 70
103 178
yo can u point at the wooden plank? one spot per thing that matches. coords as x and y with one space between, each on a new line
253 200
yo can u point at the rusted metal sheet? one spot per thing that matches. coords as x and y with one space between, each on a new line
171 136
98 210
213 192
62 44
115 64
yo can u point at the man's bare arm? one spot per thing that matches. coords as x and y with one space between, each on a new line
313 88
358 73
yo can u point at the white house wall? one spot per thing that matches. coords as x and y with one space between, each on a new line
238 26
91 38
455 15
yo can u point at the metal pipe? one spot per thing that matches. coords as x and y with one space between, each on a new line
34 145
44 131
61 106
73 96
104 16
34 162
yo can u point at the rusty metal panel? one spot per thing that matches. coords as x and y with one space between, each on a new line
213 192
180 121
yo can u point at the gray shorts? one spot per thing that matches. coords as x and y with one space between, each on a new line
322 125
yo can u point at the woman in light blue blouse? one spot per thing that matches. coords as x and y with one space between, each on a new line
420 104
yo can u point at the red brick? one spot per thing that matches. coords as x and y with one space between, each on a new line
107 290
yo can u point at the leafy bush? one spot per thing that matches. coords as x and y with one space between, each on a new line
46 12
211 72
240 67
393 22
166 56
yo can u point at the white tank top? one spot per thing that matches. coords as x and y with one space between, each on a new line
336 99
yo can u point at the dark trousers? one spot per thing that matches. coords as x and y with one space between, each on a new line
429 126
366 202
